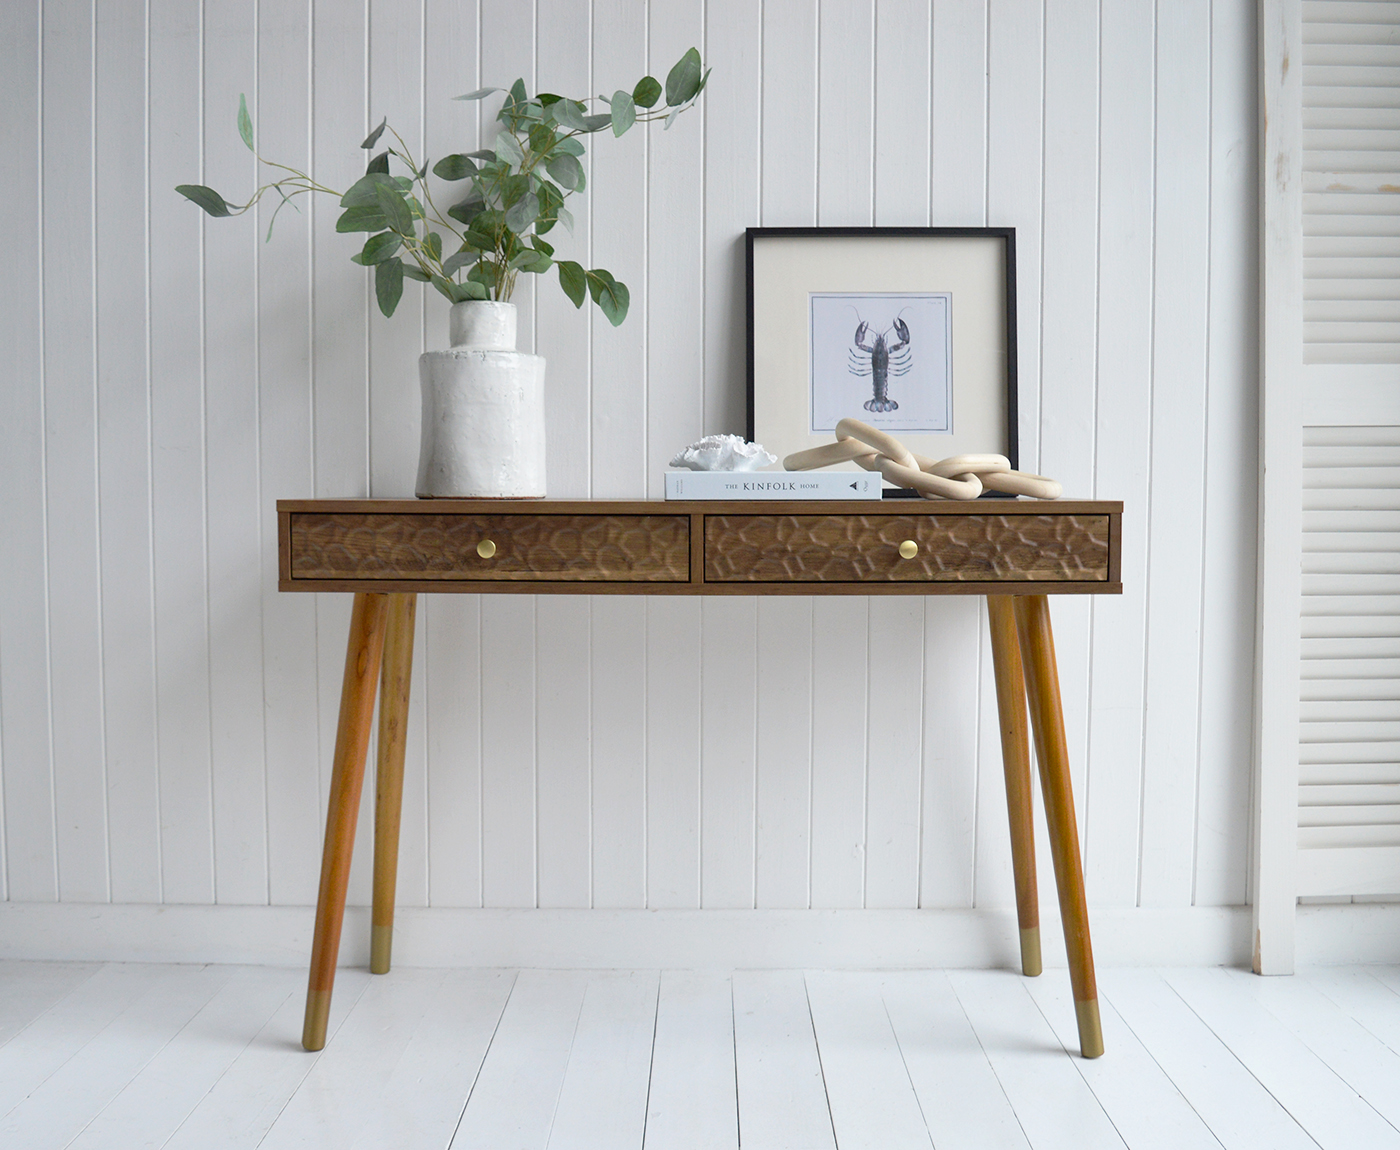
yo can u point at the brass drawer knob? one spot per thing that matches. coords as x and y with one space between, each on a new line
908 549
486 549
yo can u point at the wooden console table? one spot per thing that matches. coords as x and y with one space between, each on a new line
387 551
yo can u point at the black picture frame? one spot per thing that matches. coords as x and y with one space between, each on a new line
778 260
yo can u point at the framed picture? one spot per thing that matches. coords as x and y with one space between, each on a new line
912 330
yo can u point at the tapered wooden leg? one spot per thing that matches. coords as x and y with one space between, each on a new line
388 791
1016 761
1047 721
362 657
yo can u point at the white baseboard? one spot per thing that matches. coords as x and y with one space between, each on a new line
610 939
1348 932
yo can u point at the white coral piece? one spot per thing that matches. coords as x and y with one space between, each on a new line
723 453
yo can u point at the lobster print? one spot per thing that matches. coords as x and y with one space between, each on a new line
880 360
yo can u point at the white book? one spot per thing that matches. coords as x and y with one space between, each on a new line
772 485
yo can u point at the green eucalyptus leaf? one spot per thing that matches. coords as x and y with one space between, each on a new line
365 219
379 248
479 94
542 138
206 198
517 92
432 242
610 295
373 138
540 246
396 211
378 165
573 280
624 112
245 123
548 98
569 146
483 274
482 154
413 272
522 213
362 191
444 285
597 123
508 149
671 119
467 210
565 217
567 171
569 113
458 260
683 80
705 79
388 284
454 167
472 289
647 92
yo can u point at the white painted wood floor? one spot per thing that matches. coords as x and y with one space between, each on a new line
123 1055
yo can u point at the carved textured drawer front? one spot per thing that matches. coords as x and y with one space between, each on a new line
865 548
581 548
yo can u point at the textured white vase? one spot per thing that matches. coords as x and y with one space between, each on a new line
483 411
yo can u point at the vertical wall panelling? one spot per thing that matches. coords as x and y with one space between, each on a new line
783 755
508 750
1123 398
730 686
70 410
959 157
839 695
452 701
564 58
291 762
787 162
624 691
124 453
951 706
617 201
30 869
675 254
903 112
177 457
231 445
845 112
731 116
562 656
1231 464
674 750
894 759
1176 507
174 375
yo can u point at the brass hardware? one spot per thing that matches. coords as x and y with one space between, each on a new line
486 549
908 549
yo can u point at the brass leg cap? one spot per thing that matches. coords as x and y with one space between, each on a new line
1090 1029
1030 951
318 1013
381 945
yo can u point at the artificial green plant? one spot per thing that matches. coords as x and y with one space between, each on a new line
515 193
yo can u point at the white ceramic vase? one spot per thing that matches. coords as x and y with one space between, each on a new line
483 411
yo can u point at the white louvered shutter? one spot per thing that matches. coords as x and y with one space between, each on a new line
1349 754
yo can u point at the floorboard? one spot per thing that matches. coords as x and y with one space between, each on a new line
1325 1106
116 1055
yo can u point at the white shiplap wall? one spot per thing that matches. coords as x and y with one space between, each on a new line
166 717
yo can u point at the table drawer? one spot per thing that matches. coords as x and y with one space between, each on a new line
866 548
524 548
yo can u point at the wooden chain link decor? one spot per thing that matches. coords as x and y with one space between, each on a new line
957 477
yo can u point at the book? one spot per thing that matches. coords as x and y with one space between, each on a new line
772 485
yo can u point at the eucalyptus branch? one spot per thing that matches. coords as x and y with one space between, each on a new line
516 194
